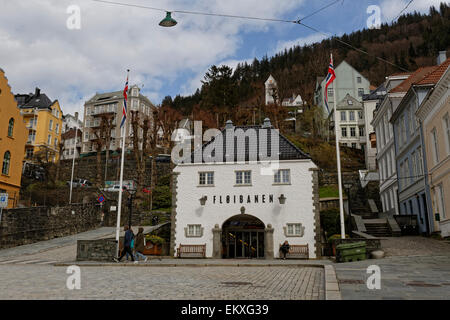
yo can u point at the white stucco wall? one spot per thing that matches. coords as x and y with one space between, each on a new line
298 207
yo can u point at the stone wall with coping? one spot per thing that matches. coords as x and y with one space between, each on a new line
29 225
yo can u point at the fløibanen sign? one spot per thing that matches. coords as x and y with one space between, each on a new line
243 199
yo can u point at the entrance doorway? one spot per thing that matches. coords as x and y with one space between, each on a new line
243 237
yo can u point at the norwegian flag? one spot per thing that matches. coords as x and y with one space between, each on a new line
328 80
125 99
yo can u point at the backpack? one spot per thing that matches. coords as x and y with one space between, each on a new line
132 244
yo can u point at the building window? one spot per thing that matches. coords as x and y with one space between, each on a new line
50 127
360 115
206 178
294 230
352 115
435 146
360 92
29 153
49 139
243 177
6 163
193 230
361 131
282 176
344 131
412 121
352 131
446 120
330 92
343 116
11 127
56 142
57 128
358 79
354 145
414 166
441 202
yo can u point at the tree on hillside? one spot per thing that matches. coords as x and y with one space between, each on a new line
219 92
102 141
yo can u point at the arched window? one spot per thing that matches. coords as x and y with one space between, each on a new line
11 127
6 162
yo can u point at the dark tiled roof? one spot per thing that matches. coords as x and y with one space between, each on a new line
33 100
287 150
377 94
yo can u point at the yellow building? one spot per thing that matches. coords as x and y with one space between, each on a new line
44 122
13 136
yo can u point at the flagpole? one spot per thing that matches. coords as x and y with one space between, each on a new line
119 209
338 156
73 164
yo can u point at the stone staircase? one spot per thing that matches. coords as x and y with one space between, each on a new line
377 227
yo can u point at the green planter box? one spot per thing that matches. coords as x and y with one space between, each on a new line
355 257
351 252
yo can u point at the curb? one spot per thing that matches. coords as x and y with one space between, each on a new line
115 264
332 291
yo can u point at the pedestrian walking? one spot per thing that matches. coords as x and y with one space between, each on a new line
139 245
126 244
132 245
285 249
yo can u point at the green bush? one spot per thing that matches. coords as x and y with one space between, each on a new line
336 236
162 197
154 239
330 221
164 180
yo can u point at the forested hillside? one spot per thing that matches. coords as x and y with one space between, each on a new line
411 42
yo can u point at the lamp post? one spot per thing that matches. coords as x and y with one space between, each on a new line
347 187
130 205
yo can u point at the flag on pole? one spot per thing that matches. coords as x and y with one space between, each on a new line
125 99
328 80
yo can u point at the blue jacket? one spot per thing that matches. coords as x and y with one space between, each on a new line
128 237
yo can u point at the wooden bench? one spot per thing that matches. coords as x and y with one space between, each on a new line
191 251
297 251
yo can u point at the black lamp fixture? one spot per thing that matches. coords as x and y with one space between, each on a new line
168 21
282 199
203 200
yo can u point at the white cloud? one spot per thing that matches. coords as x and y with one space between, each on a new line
312 38
390 9
36 48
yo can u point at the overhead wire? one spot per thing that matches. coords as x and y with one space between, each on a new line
298 21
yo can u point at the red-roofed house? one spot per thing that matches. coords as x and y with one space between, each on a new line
434 117
411 163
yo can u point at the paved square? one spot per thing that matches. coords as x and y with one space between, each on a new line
33 281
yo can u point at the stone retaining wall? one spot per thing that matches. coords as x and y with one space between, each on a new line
96 250
28 225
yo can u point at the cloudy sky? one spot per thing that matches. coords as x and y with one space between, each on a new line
37 48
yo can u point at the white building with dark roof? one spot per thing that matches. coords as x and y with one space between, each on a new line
245 192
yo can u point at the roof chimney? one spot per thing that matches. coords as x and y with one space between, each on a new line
229 124
442 56
267 123
37 92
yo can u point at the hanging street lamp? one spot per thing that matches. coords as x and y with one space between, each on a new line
168 21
